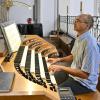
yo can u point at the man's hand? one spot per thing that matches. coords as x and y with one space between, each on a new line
55 68
53 60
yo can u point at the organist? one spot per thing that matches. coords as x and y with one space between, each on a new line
83 73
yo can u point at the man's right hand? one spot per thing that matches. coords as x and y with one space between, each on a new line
53 60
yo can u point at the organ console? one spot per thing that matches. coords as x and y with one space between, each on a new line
32 79
34 67
31 71
31 63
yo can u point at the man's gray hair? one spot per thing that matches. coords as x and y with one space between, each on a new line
88 19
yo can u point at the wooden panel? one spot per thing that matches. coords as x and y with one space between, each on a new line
28 97
65 47
89 96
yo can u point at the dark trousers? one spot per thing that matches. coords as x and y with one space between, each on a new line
75 86
63 80
61 76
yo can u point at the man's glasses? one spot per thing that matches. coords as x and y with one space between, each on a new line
80 21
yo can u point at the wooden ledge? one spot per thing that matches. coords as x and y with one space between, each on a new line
89 96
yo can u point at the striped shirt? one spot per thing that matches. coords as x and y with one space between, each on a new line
86 57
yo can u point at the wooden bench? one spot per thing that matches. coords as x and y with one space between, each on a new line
89 96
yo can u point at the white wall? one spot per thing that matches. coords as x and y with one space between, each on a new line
97 7
88 6
74 7
19 12
48 15
63 7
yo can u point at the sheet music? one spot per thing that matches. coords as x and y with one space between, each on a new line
12 37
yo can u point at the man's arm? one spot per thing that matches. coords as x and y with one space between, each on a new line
67 58
69 70
76 72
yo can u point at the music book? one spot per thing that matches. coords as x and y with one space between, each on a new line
12 36
6 81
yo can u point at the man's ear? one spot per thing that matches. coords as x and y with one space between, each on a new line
88 26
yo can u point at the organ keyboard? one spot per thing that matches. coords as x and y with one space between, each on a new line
40 45
33 66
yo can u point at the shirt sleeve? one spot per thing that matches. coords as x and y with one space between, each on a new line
89 59
73 49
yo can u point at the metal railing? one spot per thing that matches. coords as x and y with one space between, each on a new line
66 24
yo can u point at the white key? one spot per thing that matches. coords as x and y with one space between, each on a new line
32 67
53 79
22 64
42 72
51 73
48 64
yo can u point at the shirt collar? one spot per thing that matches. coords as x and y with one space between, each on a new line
82 36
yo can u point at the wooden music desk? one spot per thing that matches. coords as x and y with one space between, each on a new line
23 89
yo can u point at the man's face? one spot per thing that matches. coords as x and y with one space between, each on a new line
80 24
